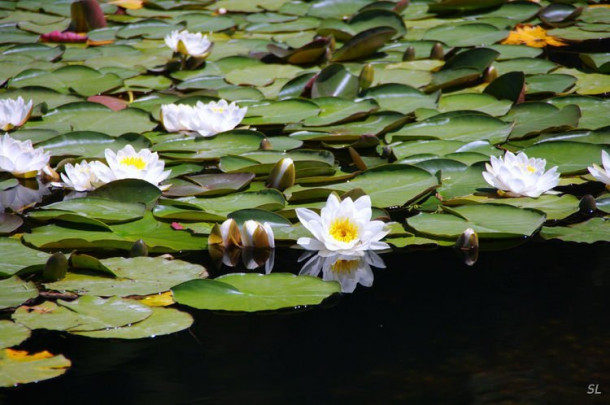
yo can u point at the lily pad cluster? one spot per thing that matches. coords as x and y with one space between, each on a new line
402 101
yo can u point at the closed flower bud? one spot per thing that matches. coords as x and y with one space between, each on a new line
282 175
139 248
409 54
437 52
367 74
468 244
55 268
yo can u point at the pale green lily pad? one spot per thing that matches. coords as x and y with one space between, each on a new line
569 157
591 231
14 292
254 292
477 102
269 199
135 276
20 368
588 83
159 236
11 334
400 97
80 79
555 207
83 314
389 185
107 211
280 112
536 117
92 117
200 148
17 257
465 126
595 111
474 34
162 321
91 144
488 220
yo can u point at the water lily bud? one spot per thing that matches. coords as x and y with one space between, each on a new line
357 159
257 235
468 244
86 15
367 74
490 74
409 54
354 194
55 268
437 52
139 248
265 144
282 175
587 205
401 6
227 234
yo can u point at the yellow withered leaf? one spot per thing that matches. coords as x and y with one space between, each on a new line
159 300
534 36
128 4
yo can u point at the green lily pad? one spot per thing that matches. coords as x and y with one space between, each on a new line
465 126
83 314
20 368
591 231
335 81
17 257
129 191
200 148
91 144
280 112
477 102
162 321
488 221
473 34
14 292
81 79
401 98
158 236
254 292
569 157
134 276
85 116
595 111
107 211
11 334
535 117
389 185
268 199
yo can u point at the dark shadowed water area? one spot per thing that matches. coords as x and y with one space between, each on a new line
527 325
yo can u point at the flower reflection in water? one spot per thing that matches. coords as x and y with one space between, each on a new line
347 270
21 197
252 258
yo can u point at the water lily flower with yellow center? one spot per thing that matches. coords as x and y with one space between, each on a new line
343 227
20 158
82 176
129 164
534 36
14 113
215 117
602 173
347 270
189 44
520 176
205 119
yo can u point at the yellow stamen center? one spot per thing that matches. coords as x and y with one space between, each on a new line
345 266
531 169
343 230
218 110
134 161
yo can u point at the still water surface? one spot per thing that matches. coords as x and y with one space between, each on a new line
529 325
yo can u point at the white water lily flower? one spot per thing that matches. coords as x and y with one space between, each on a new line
188 44
343 227
602 173
520 176
82 176
205 119
129 164
14 113
20 158
347 270
177 117
215 117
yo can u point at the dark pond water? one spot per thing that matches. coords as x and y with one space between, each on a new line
528 325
